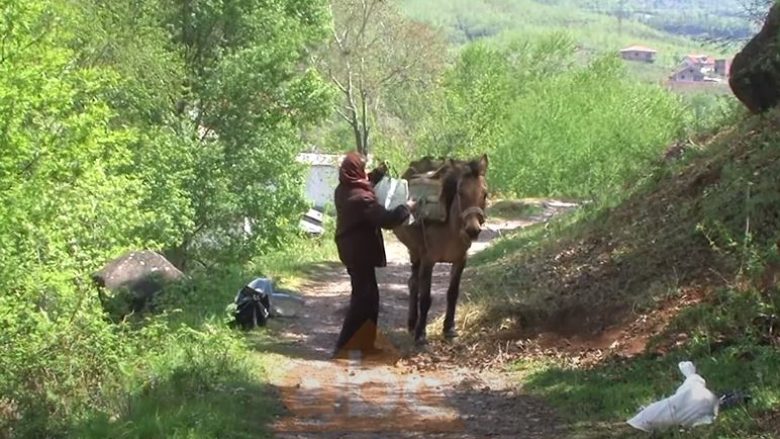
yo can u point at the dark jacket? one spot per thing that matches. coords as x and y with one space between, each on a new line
359 220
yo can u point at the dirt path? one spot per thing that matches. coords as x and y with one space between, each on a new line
354 398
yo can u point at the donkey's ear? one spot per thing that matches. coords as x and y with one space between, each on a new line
483 164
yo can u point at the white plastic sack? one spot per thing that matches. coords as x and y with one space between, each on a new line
392 192
692 405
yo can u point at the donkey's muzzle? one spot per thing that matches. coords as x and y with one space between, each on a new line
473 232
473 212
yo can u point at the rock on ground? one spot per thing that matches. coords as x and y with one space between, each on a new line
142 274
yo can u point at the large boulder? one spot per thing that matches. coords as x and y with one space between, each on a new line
135 278
755 71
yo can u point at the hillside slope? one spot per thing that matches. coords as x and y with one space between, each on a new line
688 224
594 28
684 266
724 19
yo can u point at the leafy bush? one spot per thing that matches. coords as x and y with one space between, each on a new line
551 126
585 133
140 125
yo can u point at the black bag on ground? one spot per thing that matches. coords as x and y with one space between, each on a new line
253 306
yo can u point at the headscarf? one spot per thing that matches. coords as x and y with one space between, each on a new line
353 171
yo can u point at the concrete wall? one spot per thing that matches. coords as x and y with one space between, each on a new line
321 181
322 176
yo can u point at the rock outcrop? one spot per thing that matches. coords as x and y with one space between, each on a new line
755 71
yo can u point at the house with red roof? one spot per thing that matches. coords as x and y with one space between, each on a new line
703 61
638 53
707 64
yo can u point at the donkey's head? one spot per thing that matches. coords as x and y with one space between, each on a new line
466 190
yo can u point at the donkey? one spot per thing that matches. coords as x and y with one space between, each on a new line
464 197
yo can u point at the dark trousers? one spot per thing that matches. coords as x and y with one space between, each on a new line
359 329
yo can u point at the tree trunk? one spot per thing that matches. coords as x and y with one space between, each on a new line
356 129
365 142
364 119
360 130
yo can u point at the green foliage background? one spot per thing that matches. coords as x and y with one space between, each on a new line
165 125
147 124
552 125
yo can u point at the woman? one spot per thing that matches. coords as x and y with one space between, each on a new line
359 220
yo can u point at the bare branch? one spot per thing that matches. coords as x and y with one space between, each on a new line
350 88
344 115
338 40
206 132
372 49
367 12
338 83
364 117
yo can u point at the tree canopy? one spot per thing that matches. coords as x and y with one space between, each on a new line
145 124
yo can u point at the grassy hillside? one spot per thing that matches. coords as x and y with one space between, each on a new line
468 20
725 19
682 267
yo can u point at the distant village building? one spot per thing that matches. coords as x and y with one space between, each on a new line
696 68
322 177
702 61
688 73
722 67
638 53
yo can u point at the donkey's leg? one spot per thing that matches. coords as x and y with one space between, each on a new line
414 286
452 298
426 275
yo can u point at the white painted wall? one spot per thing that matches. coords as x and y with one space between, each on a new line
321 181
322 176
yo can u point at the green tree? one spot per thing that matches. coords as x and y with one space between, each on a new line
374 50
248 96
479 89
218 92
67 206
133 125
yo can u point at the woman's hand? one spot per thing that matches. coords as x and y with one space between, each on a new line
383 168
378 173
411 205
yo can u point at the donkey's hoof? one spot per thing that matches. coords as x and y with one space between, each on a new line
420 341
449 334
